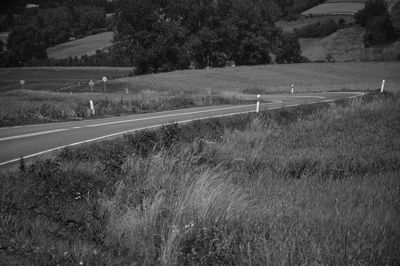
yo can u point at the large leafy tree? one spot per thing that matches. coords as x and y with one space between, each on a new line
148 38
376 20
159 35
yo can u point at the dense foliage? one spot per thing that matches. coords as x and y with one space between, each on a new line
37 29
157 36
317 30
376 20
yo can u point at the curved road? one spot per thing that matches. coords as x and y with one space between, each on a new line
33 140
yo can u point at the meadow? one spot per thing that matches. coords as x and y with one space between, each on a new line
315 184
52 94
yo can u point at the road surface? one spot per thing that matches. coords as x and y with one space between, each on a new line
33 140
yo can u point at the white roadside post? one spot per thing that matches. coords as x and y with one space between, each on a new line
292 88
383 85
91 106
104 81
91 84
258 104
22 83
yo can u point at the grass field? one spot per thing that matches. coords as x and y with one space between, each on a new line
344 45
42 101
310 77
347 45
313 185
84 46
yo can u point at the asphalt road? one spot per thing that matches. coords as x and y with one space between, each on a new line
33 140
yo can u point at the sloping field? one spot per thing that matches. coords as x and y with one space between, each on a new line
53 78
335 8
344 45
347 45
87 45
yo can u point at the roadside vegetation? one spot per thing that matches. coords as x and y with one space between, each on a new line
20 107
316 184
59 94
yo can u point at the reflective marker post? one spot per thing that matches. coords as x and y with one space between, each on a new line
292 88
383 85
258 104
91 106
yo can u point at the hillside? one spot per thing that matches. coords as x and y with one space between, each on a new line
344 45
85 46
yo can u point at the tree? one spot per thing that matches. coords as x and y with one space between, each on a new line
288 50
376 20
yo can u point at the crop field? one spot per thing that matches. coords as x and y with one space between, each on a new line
310 185
84 46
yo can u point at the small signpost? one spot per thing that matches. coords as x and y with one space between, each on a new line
22 83
383 85
91 84
258 104
292 88
105 81
91 106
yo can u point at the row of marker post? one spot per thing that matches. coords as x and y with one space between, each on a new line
104 79
292 91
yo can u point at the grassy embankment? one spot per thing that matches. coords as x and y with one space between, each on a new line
172 90
308 185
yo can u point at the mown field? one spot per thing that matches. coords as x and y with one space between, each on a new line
308 185
42 100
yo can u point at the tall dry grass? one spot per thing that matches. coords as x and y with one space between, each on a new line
26 107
